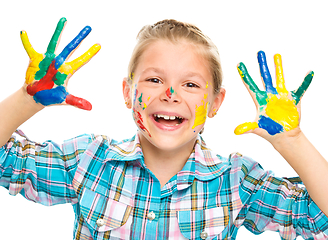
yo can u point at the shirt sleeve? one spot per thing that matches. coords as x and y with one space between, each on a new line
277 204
41 173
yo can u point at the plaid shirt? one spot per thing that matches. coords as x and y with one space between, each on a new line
115 196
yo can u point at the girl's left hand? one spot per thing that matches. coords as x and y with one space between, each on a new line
278 110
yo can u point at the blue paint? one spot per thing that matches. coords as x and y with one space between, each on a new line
60 59
52 96
270 126
265 73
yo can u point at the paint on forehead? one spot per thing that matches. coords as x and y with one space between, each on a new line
200 115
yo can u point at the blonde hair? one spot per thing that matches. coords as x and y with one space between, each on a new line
174 31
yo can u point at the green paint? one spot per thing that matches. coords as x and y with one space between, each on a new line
50 54
53 42
44 65
140 99
60 78
261 96
171 90
298 94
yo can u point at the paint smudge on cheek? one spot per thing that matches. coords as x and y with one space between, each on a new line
140 100
139 121
200 115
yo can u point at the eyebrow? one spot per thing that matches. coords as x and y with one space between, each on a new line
152 69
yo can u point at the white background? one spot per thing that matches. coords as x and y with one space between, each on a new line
295 29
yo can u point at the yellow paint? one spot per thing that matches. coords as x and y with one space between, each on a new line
131 76
144 106
148 98
214 111
34 56
282 110
281 88
200 115
206 84
73 66
240 72
205 96
245 127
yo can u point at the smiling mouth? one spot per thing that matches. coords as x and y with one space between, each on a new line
168 120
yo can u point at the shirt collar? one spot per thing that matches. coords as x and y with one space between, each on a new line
202 164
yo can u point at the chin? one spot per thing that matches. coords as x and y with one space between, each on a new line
168 142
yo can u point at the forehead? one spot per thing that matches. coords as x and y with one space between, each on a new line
182 58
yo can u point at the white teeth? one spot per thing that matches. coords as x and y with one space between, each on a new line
166 117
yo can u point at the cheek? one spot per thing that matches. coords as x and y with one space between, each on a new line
201 110
141 99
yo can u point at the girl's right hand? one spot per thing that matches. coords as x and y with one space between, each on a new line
47 74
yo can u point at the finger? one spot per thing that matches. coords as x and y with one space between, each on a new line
298 94
28 46
281 88
265 73
261 96
73 66
78 102
245 127
34 56
60 59
55 37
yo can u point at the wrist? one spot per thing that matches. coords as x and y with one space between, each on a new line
28 101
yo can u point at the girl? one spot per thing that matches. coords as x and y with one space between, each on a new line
164 183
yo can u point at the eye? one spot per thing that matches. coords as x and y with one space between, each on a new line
153 80
191 85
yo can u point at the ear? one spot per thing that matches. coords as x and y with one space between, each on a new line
218 99
127 93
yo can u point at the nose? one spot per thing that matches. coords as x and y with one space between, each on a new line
169 95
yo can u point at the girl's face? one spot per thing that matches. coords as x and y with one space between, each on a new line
171 94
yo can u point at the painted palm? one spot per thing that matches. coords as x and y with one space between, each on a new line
277 108
47 74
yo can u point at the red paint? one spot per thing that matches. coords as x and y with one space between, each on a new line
139 121
78 102
44 83
168 93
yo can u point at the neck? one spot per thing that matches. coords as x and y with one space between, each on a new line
165 163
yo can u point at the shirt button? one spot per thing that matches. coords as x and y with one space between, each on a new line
100 222
203 235
151 216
